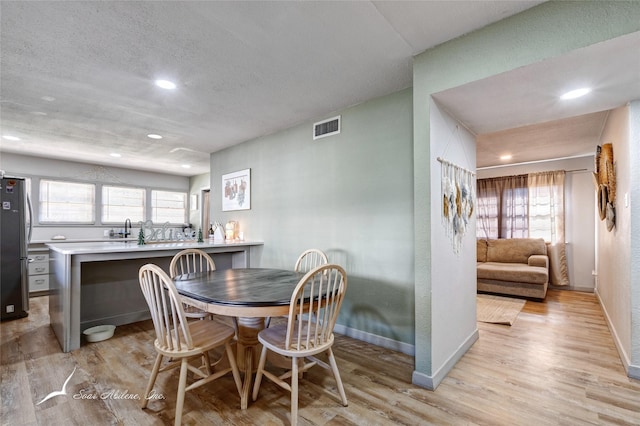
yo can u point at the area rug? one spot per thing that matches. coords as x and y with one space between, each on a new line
498 310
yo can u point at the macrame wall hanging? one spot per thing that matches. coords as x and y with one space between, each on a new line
458 201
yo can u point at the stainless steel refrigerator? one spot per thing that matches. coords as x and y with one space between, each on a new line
15 232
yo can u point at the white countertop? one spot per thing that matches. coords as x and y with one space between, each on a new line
81 240
115 246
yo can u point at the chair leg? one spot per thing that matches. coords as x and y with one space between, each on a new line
256 386
152 379
234 368
294 391
336 375
207 363
182 384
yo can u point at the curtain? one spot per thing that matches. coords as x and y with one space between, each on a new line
503 207
546 206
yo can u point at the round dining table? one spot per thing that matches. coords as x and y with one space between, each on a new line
250 295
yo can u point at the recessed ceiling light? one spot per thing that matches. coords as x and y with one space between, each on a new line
154 136
186 166
115 154
575 93
506 157
166 84
10 138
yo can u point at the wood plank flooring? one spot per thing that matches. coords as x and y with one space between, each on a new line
557 365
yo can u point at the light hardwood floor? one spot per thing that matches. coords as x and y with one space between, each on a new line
557 365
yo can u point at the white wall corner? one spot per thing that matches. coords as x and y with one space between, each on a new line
432 382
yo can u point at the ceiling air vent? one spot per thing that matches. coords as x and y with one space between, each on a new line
326 128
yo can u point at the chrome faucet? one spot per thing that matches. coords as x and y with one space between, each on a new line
127 229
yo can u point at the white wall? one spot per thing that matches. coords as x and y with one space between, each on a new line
349 195
580 212
26 166
453 275
537 34
634 210
614 248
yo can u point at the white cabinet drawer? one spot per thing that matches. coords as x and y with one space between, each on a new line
39 257
37 268
38 283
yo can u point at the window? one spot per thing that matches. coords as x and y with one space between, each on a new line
487 216
121 203
502 207
66 202
167 206
515 218
522 206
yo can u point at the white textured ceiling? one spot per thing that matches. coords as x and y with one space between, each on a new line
76 78
520 112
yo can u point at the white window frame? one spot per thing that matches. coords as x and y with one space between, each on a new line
155 209
109 202
46 204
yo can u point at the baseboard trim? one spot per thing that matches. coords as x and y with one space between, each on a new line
121 319
374 339
432 382
626 362
572 288
634 372
423 380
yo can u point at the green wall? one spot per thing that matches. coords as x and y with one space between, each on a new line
543 32
350 195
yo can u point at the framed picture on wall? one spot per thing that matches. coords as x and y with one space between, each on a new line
236 190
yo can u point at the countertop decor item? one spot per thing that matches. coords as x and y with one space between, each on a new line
141 237
230 230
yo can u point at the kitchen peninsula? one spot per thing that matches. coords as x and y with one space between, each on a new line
95 283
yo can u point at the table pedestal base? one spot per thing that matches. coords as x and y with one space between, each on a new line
248 353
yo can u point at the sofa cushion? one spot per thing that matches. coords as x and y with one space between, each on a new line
515 272
481 250
514 250
539 260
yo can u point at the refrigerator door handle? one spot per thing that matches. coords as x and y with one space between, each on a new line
30 219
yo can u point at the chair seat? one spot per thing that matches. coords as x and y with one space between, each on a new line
275 339
205 335
313 311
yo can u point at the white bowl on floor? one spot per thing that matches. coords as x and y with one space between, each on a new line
99 333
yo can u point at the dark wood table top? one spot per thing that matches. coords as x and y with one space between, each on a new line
246 287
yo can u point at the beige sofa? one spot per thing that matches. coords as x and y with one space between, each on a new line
514 266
